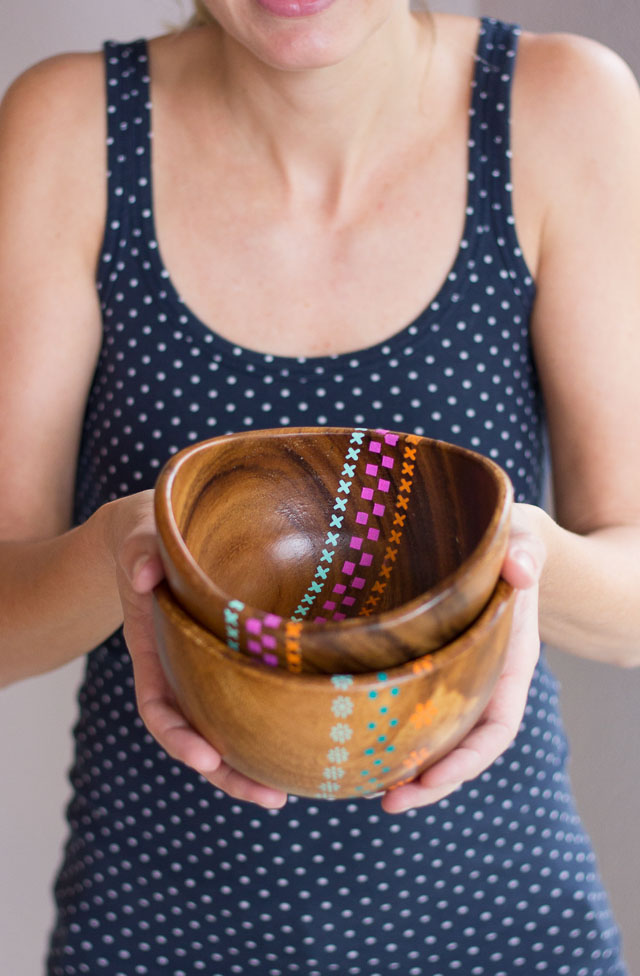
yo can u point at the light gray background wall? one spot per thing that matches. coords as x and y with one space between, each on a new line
601 705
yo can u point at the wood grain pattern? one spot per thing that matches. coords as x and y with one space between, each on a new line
332 550
332 736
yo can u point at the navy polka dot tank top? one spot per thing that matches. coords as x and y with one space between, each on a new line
161 872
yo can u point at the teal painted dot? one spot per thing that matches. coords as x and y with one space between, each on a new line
365 772
369 752
371 725
387 769
384 709
377 762
393 722
382 738
391 748
373 694
395 691
382 676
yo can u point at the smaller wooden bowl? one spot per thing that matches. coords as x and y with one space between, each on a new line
332 550
332 736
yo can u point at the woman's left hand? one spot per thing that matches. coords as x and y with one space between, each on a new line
500 721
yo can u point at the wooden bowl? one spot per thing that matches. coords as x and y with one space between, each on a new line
332 550
332 736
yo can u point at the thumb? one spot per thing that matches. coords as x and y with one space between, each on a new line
146 572
526 551
140 559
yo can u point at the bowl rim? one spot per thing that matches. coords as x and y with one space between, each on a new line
431 663
179 553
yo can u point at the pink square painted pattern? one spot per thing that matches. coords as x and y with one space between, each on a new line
374 502
259 641
364 516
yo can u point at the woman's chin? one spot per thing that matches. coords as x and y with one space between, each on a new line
304 55
328 36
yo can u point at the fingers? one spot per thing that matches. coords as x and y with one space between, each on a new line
240 787
498 726
173 732
139 572
413 795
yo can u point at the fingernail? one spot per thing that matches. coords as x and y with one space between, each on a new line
275 804
138 567
526 561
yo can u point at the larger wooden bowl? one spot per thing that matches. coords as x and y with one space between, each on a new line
332 736
332 550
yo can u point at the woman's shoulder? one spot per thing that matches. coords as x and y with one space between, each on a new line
574 89
575 121
52 138
61 84
52 113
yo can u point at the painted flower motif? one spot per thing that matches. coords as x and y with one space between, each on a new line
329 787
342 706
342 681
338 755
341 732
333 772
423 714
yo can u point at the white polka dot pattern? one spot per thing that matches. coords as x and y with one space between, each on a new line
162 873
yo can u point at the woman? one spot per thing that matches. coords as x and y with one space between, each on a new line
317 183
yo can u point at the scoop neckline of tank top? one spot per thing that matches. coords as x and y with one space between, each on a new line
405 338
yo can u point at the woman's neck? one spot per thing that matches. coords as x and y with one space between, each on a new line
321 129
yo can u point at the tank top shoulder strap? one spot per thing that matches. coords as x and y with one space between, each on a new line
129 135
490 186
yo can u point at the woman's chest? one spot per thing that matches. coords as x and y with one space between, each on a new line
282 278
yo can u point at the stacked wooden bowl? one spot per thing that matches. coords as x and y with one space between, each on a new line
332 618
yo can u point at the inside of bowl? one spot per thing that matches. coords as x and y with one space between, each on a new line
325 525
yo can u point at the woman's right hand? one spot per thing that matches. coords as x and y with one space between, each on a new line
132 540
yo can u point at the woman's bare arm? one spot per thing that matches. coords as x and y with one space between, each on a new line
57 588
584 111
62 591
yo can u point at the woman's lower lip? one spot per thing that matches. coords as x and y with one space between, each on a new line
294 8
